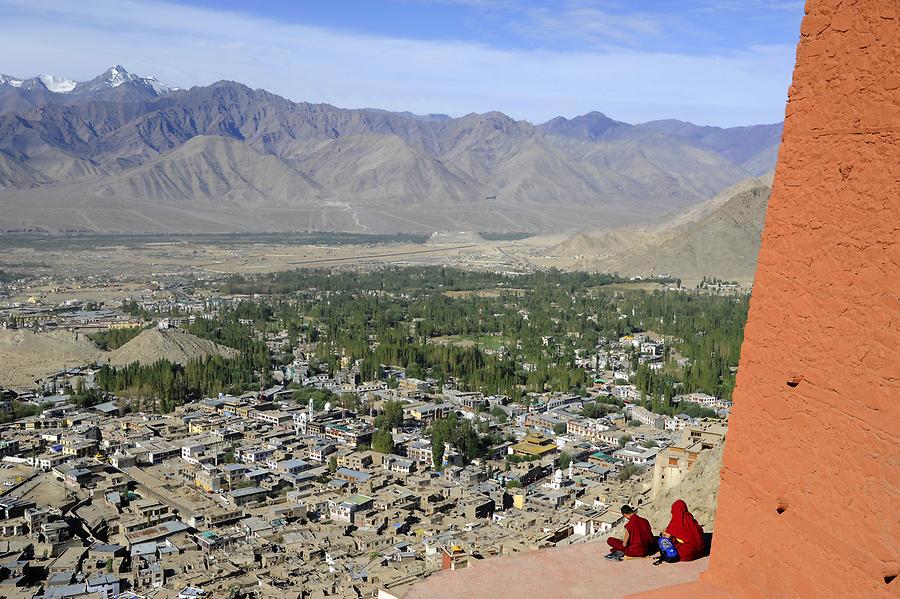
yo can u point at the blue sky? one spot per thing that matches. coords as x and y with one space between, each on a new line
720 62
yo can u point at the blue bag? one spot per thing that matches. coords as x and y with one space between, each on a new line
667 550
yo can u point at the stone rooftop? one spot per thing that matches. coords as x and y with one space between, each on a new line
572 572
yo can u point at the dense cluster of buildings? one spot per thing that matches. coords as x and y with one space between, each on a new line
262 495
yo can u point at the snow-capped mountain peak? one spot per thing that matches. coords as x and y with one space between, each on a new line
158 86
60 85
117 75
13 81
33 84
111 78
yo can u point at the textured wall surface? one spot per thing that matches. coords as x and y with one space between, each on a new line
809 504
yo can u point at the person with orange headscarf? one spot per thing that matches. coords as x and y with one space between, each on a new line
685 532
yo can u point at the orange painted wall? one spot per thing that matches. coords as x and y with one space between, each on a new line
809 504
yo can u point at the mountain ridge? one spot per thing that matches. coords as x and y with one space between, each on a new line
371 168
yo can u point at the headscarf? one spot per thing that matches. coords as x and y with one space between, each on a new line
683 526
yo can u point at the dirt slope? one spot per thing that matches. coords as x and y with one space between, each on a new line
26 356
172 345
718 238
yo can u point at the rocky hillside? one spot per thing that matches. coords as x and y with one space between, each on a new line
718 238
125 153
699 490
173 345
26 355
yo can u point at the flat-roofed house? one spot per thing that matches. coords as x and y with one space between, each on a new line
534 444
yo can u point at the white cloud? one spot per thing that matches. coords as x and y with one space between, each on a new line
187 46
577 19
756 6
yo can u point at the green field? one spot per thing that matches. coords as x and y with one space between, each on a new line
492 342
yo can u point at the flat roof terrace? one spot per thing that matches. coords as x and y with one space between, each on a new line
571 572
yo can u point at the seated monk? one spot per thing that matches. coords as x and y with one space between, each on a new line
639 540
685 532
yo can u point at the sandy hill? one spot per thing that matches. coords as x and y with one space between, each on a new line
26 356
172 345
577 245
717 238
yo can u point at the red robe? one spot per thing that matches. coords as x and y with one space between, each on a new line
640 537
686 533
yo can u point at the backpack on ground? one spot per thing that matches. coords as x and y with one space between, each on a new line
667 550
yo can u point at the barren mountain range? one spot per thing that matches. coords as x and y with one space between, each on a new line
126 153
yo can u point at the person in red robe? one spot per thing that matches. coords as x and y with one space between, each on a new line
638 540
685 532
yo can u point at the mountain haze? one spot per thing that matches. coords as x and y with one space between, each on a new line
126 153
